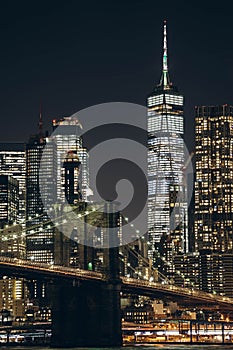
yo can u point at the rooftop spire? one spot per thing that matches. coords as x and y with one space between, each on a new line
165 78
40 123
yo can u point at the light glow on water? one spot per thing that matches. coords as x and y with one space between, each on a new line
141 347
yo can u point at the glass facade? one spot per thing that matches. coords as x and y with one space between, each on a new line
167 205
213 216
67 137
13 163
9 200
214 179
40 239
72 173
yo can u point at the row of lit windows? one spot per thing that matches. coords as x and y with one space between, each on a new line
167 98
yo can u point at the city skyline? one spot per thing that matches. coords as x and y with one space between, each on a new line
90 267
174 124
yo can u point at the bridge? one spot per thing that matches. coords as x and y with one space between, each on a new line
86 304
184 296
86 307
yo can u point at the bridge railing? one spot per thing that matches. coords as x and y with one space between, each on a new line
50 267
75 272
182 291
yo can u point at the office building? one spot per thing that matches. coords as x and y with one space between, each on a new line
167 204
13 163
40 237
12 241
9 200
12 244
72 173
67 137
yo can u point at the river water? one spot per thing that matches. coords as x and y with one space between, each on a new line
142 347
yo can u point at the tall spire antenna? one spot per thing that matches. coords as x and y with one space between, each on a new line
165 78
40 123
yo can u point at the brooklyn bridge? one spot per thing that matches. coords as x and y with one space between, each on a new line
86 304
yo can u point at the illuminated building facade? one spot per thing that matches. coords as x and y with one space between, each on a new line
40 239
12 242
187 270
9 200
13 291
214 179
66 135
141 314
13 163
72 172
13 296
72 185
167 207
213 224
71 249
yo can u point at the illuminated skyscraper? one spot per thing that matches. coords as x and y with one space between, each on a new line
167 207
11 289
67 137
214 179
9 200
13 163
74 197
72 172
40 238
72 184
213 224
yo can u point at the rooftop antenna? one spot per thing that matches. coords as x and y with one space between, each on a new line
40 123
165 78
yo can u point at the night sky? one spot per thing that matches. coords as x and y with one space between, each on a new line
74 54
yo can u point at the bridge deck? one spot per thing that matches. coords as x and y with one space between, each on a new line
29 269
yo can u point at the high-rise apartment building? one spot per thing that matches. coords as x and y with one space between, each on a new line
167 206
213 224
214 179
